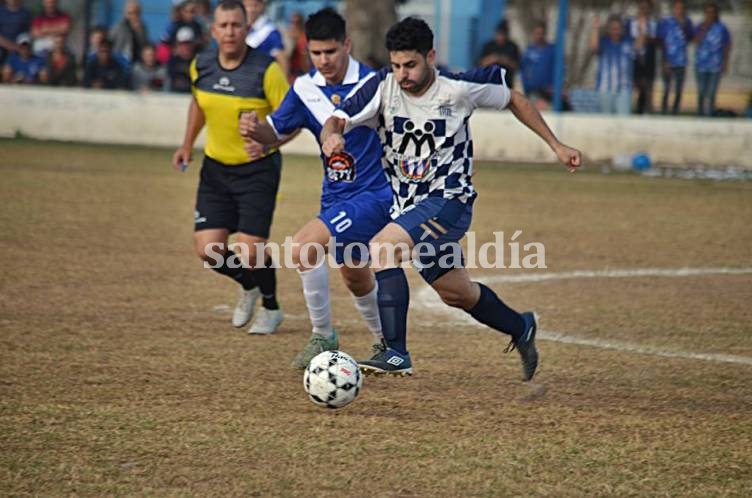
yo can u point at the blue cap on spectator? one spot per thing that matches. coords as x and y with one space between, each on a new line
23 38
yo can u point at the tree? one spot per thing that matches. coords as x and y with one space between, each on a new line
368 21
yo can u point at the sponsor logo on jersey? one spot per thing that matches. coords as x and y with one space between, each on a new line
341 168
224 84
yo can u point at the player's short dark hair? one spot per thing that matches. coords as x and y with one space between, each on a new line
232 5
503 27
326 24
411 33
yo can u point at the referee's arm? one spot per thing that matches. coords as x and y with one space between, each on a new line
196 121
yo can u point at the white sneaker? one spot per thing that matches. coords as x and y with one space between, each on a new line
266 321
246 304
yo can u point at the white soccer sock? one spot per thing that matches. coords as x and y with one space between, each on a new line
316 293
368 306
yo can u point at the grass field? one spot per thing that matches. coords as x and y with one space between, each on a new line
120 373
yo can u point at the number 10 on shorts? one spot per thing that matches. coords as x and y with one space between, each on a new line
341 222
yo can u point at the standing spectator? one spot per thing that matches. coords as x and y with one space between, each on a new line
263 34
96 36
615 66
711 59
46 25
23 66
184 17
61 65
148 74
538 67
179 65
129 35
104 71
502 51
14 20
297 45
643 29
674 34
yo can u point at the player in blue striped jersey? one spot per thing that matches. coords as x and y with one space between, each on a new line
355 194
422 116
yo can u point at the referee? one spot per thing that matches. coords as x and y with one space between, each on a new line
239 182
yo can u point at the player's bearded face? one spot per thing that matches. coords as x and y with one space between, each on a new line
414 71
229 30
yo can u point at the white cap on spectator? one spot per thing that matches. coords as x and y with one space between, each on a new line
23 38
179 3
184 34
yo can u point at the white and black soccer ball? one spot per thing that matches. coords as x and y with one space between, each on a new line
332 379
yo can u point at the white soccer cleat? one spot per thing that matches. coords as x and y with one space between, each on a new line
267 321
245 307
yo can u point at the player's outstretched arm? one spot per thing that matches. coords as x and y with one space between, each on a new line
196 121
332 139
526 113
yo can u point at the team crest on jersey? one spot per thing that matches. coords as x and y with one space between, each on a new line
336 99
414 168
341 168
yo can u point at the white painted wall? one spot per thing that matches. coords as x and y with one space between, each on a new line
159 119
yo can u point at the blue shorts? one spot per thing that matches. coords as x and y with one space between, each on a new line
436 226
354 222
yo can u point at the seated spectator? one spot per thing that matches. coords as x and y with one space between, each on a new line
22 66
263 34
615 66
711 58
502 51
129 35
46 25
14 20
104 71
61 65
184 16
148 74
179 65
297 53
674 34
96 36
538 67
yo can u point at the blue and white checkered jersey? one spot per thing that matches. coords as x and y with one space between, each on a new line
308 104
428 148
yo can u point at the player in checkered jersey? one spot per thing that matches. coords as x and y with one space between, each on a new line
422 117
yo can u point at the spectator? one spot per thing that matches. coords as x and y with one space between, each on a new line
96 36
203 15
711 58
22 66
674 34
615 66
263 33
61 65
14 20
643 29
502 51
538 67
179 65
103 71
184 17
297 44
129 35
46 25
148 74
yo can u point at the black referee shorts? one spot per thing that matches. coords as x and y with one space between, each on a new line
238 198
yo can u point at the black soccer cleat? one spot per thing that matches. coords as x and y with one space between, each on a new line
387 361
525 345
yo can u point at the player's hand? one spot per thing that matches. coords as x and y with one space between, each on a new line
248 124
569 157
254 149
182 157
333 145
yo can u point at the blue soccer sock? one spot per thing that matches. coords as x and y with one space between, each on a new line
491 311
394 299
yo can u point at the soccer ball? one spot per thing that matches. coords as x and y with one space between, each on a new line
332 379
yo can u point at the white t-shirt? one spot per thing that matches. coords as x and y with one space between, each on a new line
427 145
